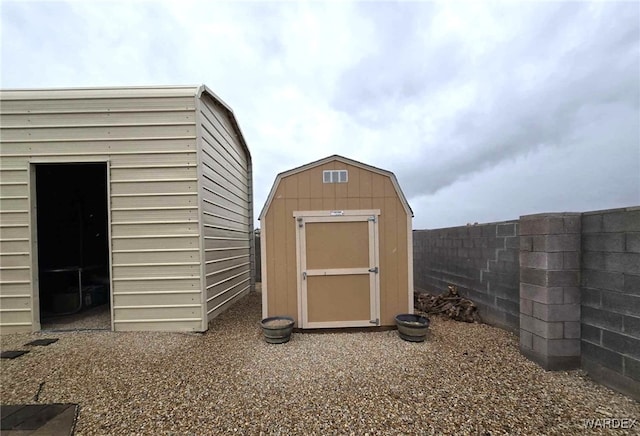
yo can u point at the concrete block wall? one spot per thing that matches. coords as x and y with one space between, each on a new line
481 260
568 284
550 289
611 298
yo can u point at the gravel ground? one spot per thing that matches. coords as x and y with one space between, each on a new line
466 379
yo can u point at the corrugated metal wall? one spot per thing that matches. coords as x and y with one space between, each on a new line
148 136
226 209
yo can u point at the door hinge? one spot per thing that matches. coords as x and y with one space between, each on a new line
372 218
375 321
299 221
374 270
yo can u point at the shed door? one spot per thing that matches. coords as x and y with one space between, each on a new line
338 261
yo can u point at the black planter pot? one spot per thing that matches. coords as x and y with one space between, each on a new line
412 328
277 329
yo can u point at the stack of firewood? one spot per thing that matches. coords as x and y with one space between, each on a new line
450 304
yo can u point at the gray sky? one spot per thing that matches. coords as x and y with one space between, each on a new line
484 111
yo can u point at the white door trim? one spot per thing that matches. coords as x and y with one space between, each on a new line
304 217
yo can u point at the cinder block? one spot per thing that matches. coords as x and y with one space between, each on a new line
563 242
526 243
601 318
630 262
568 278
615 380
572 295
609 242
602 356
631 367
556 312
563 347
614 222
541 294
632 220
591 223
556 347
541 260
591 297
540 345
593 260
541 224
571 260
534 276
602 280
526 339
631 325
591 334
539 243
506 229
507 306
526 306
572 224
621 303
632 242
572 330
508 256
563 278
621 343
512 243
547 330
631 284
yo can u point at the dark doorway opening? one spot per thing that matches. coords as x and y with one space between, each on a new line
73 246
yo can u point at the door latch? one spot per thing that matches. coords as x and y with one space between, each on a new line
304 275
374 270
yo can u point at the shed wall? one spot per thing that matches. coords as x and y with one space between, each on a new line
305 191
149 142
226 210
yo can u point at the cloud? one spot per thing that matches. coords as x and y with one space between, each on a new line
525 88
502 107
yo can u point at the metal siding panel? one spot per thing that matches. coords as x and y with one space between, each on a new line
226 214
13 259
160 256
82 105
159 201
150 143
98 117
152 243
89 133
155 173
106 146
122 286
13 232
156 215
157 299
159 188
9 303
161 229
159 313
179 325
8 318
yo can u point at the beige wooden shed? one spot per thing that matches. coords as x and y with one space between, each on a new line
140 197
336 246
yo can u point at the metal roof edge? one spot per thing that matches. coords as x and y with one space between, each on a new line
76 92
204 89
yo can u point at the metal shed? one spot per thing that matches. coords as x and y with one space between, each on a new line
144 193
336 246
